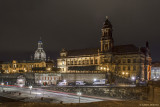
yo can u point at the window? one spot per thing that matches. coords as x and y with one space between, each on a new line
71 62
134 60
124 61
62 69
87 61
119 68
91 61
129 68
62 62
119 61
124 68
105 60
83 62
134 68
95 61
129 60
75 62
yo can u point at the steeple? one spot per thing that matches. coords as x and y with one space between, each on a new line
106 39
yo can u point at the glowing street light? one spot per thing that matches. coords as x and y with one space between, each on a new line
133 78
107 69
20 80
40 81
30 87
79 94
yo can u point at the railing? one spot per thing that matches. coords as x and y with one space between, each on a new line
86 72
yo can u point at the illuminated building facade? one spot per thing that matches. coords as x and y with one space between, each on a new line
123 60
47 78
155 71
26 66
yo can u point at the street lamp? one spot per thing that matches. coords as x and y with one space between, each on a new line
2 86
30 87
133 79
79 94
94 79
107 69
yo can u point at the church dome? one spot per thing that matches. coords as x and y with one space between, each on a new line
40 53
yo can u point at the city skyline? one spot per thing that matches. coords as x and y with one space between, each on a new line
78 53
61 28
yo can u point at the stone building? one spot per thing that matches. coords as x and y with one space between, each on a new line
26 66
155 71
122 60
47 78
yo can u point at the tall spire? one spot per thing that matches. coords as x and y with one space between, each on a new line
106 39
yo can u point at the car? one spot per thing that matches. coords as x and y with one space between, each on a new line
99 82
62 84
80 83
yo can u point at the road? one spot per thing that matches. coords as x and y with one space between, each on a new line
49 95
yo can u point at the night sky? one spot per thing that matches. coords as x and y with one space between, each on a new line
75 24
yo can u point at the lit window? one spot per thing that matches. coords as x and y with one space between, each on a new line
62 62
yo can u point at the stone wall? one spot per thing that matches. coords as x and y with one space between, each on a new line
72 77
12 78
113 92
154 91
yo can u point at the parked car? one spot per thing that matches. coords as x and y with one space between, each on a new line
80 83
62 84
99 82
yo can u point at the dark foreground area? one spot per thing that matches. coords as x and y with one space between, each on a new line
5 100
94 104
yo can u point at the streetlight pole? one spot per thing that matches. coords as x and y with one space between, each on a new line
2 86
30 87
79 94
43 92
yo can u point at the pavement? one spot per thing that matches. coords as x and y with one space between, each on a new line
49 96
